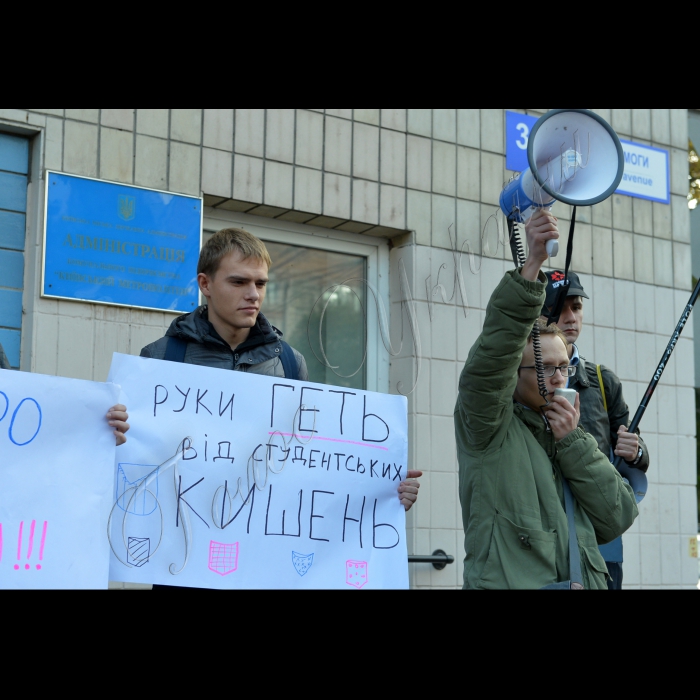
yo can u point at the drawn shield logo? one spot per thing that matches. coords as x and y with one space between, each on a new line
127 207
302 562
137 488
223 558
139 551
356 573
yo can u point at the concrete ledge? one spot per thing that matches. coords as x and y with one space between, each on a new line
269 212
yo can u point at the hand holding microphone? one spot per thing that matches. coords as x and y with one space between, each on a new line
563 417
541 229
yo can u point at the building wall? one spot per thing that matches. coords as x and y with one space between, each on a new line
428 180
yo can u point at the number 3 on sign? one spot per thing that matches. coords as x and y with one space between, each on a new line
524 130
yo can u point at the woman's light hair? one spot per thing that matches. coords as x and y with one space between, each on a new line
230 240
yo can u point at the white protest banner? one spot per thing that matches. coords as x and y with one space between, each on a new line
56 480
235 480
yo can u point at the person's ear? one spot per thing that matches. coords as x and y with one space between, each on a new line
204 282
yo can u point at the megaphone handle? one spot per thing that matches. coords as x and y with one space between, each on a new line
552 245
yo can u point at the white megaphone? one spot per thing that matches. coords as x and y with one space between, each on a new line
574 157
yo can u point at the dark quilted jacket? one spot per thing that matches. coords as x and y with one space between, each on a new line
602 424
259 354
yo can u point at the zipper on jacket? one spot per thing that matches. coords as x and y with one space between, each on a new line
546 422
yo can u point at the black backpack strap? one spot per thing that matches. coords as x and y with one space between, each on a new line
289 361
175 349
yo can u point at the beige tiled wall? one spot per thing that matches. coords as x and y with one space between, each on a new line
436 173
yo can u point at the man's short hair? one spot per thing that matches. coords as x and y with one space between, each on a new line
230 240
552 329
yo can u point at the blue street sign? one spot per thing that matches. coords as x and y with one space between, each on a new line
518 127
646 173
117 244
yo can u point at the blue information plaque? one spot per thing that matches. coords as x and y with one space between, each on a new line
518 128
117 244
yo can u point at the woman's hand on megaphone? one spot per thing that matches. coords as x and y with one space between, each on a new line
540 228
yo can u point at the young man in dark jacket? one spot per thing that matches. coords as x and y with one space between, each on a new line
604 412
230 332
515 449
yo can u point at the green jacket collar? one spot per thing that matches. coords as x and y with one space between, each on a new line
535 423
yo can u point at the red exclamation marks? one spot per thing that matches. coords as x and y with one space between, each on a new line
19 545
30 546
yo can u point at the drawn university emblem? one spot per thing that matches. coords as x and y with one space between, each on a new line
137 488
356 573
139 551
223 558
302 562
127 207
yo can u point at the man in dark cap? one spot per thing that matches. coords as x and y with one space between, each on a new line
604 412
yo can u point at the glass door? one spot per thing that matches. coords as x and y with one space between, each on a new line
317 298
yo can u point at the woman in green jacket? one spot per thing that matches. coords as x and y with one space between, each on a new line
514 449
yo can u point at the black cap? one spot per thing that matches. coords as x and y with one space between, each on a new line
554 280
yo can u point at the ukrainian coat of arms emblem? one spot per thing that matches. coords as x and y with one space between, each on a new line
127 207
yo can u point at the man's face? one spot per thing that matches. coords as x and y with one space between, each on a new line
571 318
553 355
236 291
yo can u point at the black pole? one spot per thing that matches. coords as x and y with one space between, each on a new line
662 365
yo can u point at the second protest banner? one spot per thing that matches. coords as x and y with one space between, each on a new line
235 480
56 460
